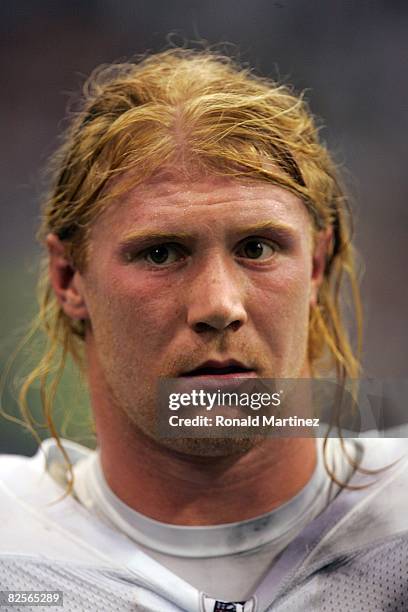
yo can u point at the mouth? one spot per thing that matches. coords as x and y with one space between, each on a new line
221 369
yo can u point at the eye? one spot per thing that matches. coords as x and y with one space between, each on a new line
256 248
163 254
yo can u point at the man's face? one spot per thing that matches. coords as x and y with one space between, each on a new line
183 272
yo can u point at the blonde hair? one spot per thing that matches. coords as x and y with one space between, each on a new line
201 110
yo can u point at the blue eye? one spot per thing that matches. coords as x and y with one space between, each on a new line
163 254
255 248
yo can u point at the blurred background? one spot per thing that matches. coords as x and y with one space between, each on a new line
352 57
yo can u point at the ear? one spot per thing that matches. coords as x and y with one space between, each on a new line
65 280
322 248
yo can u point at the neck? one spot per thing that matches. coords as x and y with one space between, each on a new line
186 490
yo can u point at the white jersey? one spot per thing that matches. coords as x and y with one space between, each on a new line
224 561
352 556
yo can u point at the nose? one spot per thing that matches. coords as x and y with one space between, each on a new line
216 300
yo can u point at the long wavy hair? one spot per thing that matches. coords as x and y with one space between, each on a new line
203 110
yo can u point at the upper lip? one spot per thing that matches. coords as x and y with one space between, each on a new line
213 364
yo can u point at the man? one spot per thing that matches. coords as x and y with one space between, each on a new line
196 231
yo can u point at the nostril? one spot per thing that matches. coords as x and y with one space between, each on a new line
202 327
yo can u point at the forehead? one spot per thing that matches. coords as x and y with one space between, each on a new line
170 199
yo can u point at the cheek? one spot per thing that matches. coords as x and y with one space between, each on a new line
280 302
133 310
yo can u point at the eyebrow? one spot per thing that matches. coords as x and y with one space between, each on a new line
148 236
279 228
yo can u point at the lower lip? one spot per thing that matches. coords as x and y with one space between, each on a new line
217 381
249 374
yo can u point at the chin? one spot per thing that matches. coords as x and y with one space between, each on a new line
210 447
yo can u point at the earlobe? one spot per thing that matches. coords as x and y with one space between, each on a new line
66 281
321 251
